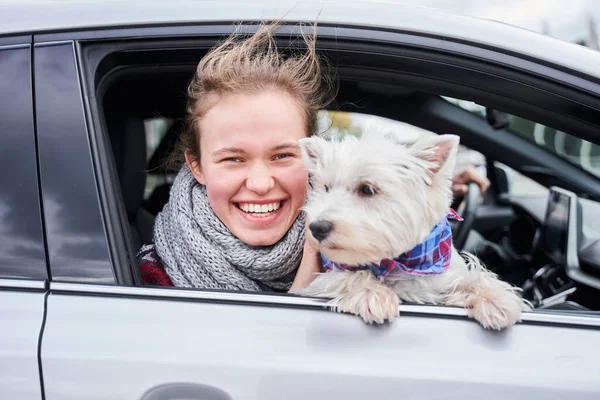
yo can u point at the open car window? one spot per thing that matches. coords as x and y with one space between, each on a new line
144 113
576 150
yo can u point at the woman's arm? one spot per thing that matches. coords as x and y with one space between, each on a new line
309 267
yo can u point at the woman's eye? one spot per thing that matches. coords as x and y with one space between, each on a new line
366 190
282 156
232 159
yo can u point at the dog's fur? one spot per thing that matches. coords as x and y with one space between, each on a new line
412 194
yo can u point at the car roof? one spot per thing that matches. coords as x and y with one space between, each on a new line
37 16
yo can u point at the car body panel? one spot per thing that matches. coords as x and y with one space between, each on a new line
54 15
22 252
269 351
77 244
21 318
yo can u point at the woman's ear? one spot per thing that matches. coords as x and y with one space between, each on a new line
195 167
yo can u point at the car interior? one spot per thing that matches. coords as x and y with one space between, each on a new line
142 82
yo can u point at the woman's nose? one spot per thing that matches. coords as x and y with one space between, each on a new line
260 179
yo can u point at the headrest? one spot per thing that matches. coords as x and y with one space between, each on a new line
157 165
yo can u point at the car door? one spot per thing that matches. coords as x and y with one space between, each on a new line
104 338
22 255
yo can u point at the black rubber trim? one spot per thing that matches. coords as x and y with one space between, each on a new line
39 346
15 40
111 200
38 169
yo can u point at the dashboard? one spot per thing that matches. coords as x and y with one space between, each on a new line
556 239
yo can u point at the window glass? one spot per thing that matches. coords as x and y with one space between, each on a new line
580 152
21 242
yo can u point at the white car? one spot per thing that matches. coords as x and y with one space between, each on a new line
91 93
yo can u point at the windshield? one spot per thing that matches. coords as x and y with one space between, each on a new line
578 151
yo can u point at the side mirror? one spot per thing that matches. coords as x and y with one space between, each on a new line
497 119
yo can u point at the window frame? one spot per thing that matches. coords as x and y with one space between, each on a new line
569 87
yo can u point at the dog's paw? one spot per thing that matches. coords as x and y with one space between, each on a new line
373 306
495 310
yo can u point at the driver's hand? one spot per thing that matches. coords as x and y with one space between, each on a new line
466 176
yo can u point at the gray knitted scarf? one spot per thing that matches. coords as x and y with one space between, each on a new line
197 250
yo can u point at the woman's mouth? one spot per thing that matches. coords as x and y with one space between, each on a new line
259 210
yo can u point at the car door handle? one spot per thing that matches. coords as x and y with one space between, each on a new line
185 391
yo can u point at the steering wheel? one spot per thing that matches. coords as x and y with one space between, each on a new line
462 228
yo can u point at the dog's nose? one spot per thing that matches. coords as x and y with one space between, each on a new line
320 229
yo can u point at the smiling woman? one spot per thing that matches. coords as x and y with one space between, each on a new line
249 158
234 217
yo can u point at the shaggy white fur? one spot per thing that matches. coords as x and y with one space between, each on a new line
377 198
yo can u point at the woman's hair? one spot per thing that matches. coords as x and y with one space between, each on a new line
251 65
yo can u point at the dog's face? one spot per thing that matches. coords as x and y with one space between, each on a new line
374 197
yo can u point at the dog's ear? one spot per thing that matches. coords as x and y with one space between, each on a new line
312 152
438 151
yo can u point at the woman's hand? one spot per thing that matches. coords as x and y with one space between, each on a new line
309 267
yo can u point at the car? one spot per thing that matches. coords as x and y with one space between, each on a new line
92 99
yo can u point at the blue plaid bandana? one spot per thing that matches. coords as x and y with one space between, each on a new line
432 256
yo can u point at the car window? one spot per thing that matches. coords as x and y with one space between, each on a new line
21 242
576 150
166 100
339 123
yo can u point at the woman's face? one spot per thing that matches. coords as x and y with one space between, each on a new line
251 164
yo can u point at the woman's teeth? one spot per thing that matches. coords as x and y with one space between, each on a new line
259 210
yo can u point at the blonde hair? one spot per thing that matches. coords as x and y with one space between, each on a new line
252 65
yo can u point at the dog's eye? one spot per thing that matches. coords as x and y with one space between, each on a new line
326 188
366 190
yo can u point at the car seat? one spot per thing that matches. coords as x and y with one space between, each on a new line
128 138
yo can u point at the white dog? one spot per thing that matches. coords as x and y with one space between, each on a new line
378 206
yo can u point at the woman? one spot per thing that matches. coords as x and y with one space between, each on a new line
233 220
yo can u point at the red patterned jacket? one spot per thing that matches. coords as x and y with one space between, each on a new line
151 268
